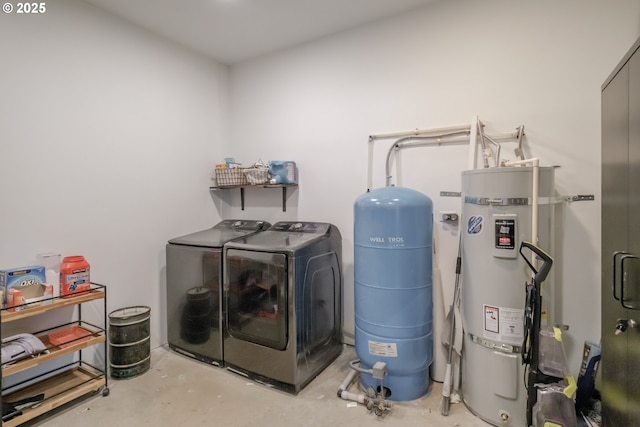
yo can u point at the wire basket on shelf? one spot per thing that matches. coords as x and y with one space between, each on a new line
230 176
256 176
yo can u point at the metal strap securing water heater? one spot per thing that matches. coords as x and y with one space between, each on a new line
512 201
494 345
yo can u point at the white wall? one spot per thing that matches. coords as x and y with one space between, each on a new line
108 137
540 64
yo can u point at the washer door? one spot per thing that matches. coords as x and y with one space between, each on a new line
256 296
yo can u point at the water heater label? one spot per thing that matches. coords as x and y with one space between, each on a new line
503 324
474 224
387 349
505 234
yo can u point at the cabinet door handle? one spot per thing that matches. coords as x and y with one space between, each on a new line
623 324
615 269
623 274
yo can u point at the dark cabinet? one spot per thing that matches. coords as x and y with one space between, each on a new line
620 331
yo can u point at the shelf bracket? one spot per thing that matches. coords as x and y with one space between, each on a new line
284 199
284 192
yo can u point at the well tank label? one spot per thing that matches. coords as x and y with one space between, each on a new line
387 241
386 349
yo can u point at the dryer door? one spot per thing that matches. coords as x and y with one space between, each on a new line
256 295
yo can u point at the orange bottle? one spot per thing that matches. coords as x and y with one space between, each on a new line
74 276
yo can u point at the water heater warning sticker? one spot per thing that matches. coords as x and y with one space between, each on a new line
491 323
503 324
387 349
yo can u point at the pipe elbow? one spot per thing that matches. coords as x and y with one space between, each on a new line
533 161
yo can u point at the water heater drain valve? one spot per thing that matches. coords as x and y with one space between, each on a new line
504 416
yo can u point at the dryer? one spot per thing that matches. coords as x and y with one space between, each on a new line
283 293
194 288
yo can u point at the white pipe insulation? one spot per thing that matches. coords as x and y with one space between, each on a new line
535 162
408 135
441 139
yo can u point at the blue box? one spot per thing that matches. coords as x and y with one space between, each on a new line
22 276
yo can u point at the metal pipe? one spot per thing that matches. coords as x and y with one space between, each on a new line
355 397
432 136
420 132
399 164
496 161
376 403
452 137
535 162
348 380
413 133
353 366
457 139
432 139
520 133
370 165
485 159
473 144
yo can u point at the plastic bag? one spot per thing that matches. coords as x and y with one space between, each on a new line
283 172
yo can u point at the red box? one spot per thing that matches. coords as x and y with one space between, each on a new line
67 337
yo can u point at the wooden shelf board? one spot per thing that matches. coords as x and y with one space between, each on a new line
54 353
224 187
8 316
58 390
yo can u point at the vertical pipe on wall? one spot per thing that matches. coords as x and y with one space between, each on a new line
398 167
535 162
473 142
370 164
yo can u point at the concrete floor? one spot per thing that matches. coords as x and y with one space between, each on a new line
179 391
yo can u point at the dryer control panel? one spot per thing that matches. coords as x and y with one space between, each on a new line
301 227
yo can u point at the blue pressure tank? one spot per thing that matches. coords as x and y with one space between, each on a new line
393 232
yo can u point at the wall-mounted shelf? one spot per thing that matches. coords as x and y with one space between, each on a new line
242 187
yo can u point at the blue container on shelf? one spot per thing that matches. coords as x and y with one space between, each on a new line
283 172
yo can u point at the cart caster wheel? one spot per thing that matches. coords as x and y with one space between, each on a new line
105 392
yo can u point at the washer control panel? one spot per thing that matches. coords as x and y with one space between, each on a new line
242 225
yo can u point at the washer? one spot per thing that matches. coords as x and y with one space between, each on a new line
283 292
194 289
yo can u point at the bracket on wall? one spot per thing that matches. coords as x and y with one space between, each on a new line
581 198
242 187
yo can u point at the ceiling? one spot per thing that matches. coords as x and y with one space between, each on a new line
231 31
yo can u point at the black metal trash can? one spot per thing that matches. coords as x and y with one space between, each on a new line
129 341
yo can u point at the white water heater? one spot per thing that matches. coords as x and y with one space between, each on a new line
496 218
